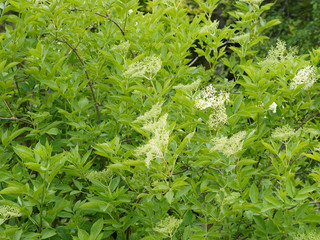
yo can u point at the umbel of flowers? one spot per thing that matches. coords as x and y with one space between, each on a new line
210 98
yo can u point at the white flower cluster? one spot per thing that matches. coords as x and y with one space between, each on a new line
283 133
219 116
229 146
279 54
210 28
7 212
242 39
209 98
158 144
273 107
189 87
308 236
147 68
168 225
99 175
151 115
122 48
305 76
252 1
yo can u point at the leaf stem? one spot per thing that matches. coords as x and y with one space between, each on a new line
87 75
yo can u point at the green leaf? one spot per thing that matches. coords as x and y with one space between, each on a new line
2 64
184 143
96 229
47 233
246 162
24 153
254 193
10 65
169 196
237 103
301 210
314 156
95 204
269 147
290 187
307 189
83 235
312 219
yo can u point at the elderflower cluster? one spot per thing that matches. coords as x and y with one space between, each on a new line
229 146
279 54
7 212
122 48
147 68
283 133
151 114
219 116
307 236
210 28
305 76
168 226
158 144
312 131
273 107
252 1
189 87
209 98
242 39
99 175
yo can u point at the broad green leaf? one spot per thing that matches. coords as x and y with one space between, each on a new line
47 233
254 193
96 229
24 153
169 196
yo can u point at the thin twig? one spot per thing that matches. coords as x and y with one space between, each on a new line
193 61
114 22
182 171
127 140
87 75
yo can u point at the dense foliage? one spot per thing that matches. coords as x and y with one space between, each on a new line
109 130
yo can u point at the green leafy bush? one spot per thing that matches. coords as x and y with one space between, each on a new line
108 130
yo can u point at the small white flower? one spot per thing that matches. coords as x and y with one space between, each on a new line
273 107
168 225
130 11
209 28
158 144
189 87
210 99
306 76
279 54
147 68
283 133
229 146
